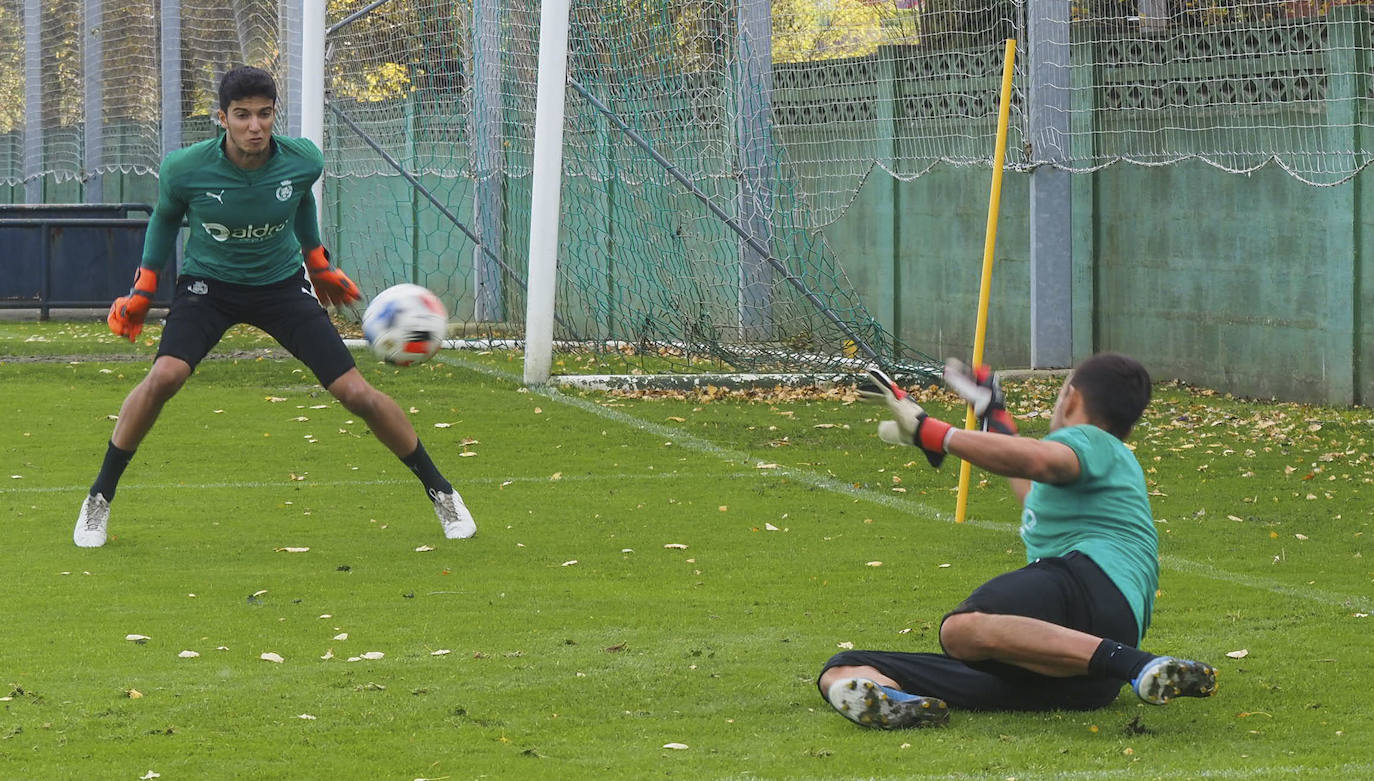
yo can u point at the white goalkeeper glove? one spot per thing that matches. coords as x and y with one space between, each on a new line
910 424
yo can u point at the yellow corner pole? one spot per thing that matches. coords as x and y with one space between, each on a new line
980 333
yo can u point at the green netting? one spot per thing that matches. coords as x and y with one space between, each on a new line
688 241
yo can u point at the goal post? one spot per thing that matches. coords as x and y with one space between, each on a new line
546 190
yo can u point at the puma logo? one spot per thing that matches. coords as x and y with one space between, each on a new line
219 196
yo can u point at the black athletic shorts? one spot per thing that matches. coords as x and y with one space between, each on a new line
1070 591
203 309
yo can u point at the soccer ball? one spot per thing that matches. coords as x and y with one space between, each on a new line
405 324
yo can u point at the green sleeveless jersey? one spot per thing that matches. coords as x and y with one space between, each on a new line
1104 514
245 227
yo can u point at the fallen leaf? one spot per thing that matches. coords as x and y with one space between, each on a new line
569 563
134 694
440 652
341 636
140 639
846 645
151 774
770 527
306 716
271 657
443 425
424 549
676 746
291 550
676 545
1241 654
873 564
373 655
188 654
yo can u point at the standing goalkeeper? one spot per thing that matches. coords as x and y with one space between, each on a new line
247 198
1061 632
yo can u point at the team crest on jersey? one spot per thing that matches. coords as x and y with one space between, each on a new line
198 287
284 192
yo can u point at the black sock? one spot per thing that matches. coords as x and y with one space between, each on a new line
1115 660
111 470
423 466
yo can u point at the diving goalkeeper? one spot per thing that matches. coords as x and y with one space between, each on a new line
1063 631
247 199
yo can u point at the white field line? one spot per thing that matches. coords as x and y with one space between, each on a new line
750 465
900 504
1348 770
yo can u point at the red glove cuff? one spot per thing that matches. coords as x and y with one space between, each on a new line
932 433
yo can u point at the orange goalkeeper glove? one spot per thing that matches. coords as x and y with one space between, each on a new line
127 312
332 286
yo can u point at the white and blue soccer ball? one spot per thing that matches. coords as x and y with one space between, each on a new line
405 324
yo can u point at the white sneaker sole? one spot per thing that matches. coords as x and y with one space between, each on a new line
865 703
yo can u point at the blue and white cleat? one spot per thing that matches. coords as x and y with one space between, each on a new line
869 704
1167 677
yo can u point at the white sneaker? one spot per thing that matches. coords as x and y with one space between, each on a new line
453 515
90 525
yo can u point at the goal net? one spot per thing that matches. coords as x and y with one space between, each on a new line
687 241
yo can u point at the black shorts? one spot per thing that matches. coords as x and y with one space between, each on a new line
1070 591
203 309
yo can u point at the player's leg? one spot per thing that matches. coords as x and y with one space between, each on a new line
1064 618
292 316
194 325
945 680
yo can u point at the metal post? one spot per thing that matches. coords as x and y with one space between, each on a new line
33 101
1051 245
545 202
753 93
93 108
488 158
171 75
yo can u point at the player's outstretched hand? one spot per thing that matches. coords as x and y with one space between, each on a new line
127 312
910 424
332 286
980 388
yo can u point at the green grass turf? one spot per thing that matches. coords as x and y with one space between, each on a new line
579 644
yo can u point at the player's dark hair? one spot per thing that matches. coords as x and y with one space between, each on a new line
245 81
1115 389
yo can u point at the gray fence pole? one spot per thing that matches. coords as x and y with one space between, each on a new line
753 98
171 75
488 160
1051 218
93 104
33 101
292 24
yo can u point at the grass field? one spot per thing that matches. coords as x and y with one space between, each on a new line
647 572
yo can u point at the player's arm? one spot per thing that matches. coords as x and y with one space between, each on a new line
1036 460
332 286
159 241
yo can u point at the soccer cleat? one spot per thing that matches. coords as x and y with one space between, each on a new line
453 515
90 525
870 705
1167 677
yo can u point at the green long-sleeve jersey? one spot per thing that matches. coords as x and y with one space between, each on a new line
245 227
